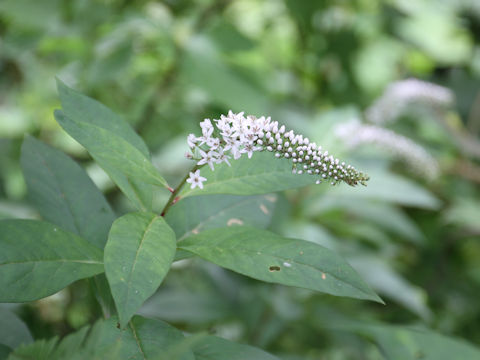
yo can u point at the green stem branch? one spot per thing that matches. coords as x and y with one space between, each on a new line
174 197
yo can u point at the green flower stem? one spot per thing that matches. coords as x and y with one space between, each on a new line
174 198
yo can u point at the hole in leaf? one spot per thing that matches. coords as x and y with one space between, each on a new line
274 268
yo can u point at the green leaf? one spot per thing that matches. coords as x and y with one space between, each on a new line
216 348
382 276
205 68
390 188
13 331
142 339
81 109
384 215
4 351
39 259
409 343
111 149
266 256
196 214
64 194
138 255
261 174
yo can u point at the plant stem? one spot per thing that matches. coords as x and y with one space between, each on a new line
174 198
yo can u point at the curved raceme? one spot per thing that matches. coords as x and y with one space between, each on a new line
235 134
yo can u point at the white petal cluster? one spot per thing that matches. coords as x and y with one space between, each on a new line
401 95
355 134
236 135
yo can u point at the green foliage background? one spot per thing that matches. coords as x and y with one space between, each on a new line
165 66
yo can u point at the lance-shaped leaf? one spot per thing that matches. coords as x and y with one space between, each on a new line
266 256
82 109
39 259
64 194
111 149
261 174
138 255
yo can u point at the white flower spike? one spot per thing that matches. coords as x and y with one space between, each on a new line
240 134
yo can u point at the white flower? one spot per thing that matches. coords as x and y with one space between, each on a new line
207 127
196 180
191 140
213 143
208 158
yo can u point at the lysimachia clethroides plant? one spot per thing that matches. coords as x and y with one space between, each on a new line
126 258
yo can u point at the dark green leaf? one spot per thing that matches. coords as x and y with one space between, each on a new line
138 255
266 256
216 348
39 259
4 351
108 148
142 339
81 109
64 194
13 332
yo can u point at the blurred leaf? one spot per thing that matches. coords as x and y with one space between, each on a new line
229 39
445 40
216 348
387 187
196 214
261 174
465 213
268 257
28 15
138 255
203 68
186 306
13 331
39 350
64 194
4 351
386 281
382 54
39 259
405 343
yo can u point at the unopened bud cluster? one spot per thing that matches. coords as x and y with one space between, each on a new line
234 135
400 95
